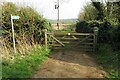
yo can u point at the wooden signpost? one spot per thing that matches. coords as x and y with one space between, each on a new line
12 18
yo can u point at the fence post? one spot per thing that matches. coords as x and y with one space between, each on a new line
95 36
46 39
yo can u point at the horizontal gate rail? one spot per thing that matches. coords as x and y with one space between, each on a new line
74 34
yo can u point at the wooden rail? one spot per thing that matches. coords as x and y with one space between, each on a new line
75 34
57 40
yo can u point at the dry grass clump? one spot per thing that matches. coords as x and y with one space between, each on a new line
23 48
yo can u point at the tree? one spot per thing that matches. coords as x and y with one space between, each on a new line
88 13
109 11
99 7
112 12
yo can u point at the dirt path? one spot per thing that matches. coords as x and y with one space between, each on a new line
71 63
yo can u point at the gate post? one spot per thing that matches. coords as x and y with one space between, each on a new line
46 39
95 36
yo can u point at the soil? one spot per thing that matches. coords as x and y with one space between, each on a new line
69 63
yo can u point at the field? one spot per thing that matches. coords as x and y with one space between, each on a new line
61 26
64 21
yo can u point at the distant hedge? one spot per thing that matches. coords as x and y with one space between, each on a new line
107 33
30 25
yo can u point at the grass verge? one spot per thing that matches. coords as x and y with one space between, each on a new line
27 66
108 60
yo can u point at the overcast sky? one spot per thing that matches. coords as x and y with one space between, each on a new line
68 8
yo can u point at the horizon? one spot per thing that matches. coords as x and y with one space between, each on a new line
64 19
69 9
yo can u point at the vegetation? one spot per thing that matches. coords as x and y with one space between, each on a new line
29 32
106 18
24 67
101 11
70 28
108 59
30 25
64 21
88 13
29 38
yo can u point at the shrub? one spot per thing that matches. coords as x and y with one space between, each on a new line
29 30
108 60
87 26
82 27
30 25
105 33
116 38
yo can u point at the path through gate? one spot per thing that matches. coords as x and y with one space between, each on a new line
85 41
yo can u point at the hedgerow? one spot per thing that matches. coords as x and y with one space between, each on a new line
107 33
30 26
29 37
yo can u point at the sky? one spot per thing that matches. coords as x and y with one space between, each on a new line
68 8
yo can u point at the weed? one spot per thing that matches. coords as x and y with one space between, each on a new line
108 59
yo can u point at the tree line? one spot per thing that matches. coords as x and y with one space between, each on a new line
106 17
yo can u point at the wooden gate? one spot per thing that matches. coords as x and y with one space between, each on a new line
85 41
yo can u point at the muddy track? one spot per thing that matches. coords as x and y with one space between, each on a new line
69 63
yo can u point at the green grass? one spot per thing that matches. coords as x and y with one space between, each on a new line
108 60
64 21
25 67
70 29
66 31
